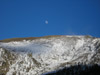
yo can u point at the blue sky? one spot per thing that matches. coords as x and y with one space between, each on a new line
26 18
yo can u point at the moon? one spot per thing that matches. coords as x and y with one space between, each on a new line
46 21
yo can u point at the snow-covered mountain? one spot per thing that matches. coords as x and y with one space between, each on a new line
36 56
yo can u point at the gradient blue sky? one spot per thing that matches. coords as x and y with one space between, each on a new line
26 18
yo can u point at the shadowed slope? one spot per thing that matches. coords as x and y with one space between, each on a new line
78 70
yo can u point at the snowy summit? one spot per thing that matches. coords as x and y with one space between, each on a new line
40 55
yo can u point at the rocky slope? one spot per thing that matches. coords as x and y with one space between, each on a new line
36 56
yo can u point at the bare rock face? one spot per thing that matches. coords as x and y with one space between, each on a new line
39 55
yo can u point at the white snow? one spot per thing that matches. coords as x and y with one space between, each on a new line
79 43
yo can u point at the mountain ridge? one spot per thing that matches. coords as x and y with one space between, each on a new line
34 38
28 38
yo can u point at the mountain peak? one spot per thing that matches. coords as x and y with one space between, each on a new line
38 55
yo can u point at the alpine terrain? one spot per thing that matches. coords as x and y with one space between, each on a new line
42 55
